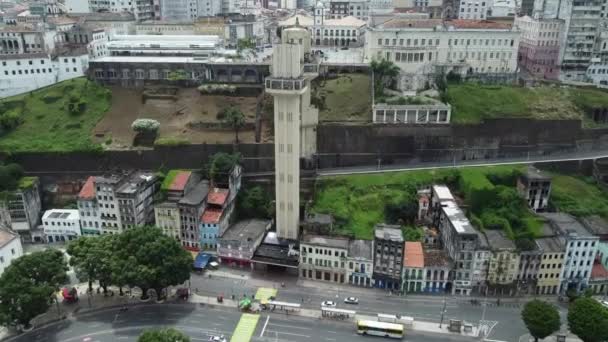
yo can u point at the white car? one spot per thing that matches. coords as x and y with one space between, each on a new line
351 300
329 303
220 338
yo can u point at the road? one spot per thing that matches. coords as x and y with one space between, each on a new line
200 322
504 321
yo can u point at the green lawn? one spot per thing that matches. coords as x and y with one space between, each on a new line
169 178
347 98
48 125
471 103
579 196
26 182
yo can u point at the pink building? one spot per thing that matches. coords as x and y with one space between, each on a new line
539 46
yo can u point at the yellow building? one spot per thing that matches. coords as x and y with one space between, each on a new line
504 264
549 273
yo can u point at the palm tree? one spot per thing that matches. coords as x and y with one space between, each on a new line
234 118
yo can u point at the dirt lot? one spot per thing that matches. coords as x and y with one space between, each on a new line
174 116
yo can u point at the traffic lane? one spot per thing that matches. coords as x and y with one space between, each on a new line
115 325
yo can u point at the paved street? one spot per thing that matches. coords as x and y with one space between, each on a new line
503 322
200 322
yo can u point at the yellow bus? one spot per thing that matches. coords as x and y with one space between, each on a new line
380 329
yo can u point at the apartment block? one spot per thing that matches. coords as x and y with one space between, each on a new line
360 263
388 256
535 187
24 207
61 225
552 261
504 264
324 258
539 46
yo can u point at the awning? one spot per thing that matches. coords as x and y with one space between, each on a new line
201 260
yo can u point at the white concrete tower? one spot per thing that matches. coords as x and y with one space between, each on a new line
295 123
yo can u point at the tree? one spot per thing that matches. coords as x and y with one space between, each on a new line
234 118
384 73
163 335
221 165
28 286
145 126
413 234
244 44
89 257
150 260
541 318
254 202
588 320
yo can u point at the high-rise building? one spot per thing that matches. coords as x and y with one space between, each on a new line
295 122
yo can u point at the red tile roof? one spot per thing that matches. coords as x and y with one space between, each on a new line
88 189
180 180
413 256
477 24
598 271
217 196
211 216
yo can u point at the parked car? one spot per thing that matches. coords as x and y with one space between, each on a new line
351 300
220 338
329 303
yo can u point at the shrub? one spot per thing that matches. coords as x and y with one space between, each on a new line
10 120
145 126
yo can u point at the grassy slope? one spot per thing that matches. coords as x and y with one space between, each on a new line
169 178
472 103
347 98
50 127
579 196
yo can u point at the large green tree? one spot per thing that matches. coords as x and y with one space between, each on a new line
541 318
28 286
254 202
152 260
220 166
588 320
91 258
163 335
234 118
385 72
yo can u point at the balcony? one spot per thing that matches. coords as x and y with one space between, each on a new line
288 86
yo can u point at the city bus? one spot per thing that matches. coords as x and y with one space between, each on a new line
380 329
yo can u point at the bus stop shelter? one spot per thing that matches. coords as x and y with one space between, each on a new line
337 313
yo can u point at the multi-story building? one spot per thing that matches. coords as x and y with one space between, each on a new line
581 248
413 268
347 31
598 226
504 263
178 10
140 9
114 23
438 269
10 248
472 9
529 266
61 225
551 263
459 238
434 8
135 197
243 27
343 8
539 46
423 48
481 266
388 256
16 40
24 206
191 208
109 212
216 218
360 263
167 218
26 72
295 123
535 187
323 258
239 242
90 218
598 282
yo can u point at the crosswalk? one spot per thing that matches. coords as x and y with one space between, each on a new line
245 328
485 327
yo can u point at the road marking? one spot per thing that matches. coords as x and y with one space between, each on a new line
287 326
245 328
265 324
332 332
330 339
286 333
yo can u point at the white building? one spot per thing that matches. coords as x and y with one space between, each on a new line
61 225
167 218
157 45
473 9
90 218
503 8
178 10
347 31
10 249
360 260
19 39
295 123
77 6
434 8
539 45
323 258
581 248
26 72
424 47
339 9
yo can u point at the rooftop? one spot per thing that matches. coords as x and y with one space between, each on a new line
498 240
443 193
321 219
211 215
180 181
550 245
360 249
218 196
412 23
325 241
61 214
346 21
596 225
104 16
413 256
478 24
6 237
88 189
458 219
566 224
247 230
197 194
132 184
435 258
448 25
536 174
599 271
388 232
24 56
166 205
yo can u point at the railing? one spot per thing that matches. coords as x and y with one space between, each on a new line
287 84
